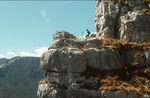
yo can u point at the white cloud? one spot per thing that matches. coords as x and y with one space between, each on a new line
43 13
1 56
11 54
27 54
40 51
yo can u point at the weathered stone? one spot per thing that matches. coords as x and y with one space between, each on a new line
72 42
43 91
111 59
93 58
63 61
129 57
104 59
63 79
84 93
146 55
114 94
50 92
62 34
67 65
74 86
126 22
94 42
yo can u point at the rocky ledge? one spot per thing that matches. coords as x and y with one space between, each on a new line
93 68
113 63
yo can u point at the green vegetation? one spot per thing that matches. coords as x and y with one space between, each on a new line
20 78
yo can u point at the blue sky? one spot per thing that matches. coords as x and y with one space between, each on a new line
26 27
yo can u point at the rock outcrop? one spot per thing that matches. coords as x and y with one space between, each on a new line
114 63
127 20
78 67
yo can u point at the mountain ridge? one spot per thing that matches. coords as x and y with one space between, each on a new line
19 77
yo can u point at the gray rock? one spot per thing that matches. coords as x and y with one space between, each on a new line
62 34
63 61
74 86
43 91
129 57
76 42
93 58
50 92
104 59
146 55
63 79
126 22
85 93
111 59
94 42
114 94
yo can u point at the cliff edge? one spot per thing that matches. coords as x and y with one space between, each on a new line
93 68
113 64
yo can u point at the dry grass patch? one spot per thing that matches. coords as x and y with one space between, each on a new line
42 81
112 43
120 45
42 58
130 78
70 87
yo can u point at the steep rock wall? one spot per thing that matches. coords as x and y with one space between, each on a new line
78 68
127 20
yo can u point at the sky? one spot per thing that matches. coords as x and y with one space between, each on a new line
27 27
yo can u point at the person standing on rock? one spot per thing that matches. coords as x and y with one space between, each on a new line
88 33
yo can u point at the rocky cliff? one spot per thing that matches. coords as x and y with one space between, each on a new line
93 68
114 64
123 19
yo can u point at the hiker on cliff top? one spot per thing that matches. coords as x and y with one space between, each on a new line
88 33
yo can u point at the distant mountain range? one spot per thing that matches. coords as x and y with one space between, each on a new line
19 77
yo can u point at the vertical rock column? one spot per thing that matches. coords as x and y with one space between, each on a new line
122 19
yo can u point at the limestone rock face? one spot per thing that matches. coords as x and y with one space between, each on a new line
70 64
63 61
125 20
104 59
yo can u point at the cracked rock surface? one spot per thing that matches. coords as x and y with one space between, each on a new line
126 21
69 66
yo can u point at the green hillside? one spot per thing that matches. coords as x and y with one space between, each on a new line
19 77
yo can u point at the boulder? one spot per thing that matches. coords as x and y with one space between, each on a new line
62 34
63 61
